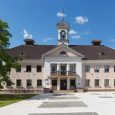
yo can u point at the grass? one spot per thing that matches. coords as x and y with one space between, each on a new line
6 99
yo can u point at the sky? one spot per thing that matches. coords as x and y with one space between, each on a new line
88 20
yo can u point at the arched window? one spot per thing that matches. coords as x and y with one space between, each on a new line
62 35
62 52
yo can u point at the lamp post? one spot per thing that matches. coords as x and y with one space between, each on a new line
105 86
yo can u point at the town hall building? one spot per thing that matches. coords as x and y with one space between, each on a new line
63 66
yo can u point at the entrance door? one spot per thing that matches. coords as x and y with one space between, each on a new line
63 84
72 84
54 84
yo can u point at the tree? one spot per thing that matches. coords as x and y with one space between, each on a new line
6 62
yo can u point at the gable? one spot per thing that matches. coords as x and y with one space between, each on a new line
62 51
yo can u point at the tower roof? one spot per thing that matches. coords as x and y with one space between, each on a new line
63 23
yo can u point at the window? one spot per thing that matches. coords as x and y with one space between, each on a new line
28 68
18 69
39 68
87 82
96 68
114 82
96 82
54 82
62 35
62 52
8 83
106 82
18 82
114 68
53 67
22 53
39 82
72 68
106 68
72 82
87 68
29 82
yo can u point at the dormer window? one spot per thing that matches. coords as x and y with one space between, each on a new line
63 52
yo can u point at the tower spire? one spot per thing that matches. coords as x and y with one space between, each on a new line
63 15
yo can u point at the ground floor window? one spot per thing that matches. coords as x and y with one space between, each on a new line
8 83
114 82
72 82
54 82
96 82
18 82
39 82
106 82
29 82
87 82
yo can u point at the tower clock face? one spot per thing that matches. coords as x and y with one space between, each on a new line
63 34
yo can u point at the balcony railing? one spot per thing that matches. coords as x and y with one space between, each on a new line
63 73
71 73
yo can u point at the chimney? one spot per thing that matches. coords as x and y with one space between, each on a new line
96 42
29 42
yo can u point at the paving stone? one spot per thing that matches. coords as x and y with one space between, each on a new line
83 113
62 98
63 104
61 94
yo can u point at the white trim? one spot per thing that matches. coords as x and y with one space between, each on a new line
62 45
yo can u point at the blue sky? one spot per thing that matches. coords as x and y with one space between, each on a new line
88 19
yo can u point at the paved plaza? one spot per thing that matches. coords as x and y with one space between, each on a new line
90 103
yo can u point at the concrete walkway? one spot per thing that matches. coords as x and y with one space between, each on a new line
98 103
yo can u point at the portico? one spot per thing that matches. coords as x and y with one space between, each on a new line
63 76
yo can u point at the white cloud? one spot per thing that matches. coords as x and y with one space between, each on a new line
75 37
86 33
81 19
61 14
71 32
112 40
47 39
26 35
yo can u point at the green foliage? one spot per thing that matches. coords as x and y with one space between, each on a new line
6 99
4 44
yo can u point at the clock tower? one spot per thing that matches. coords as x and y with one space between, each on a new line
63 31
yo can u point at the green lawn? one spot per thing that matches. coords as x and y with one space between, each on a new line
6 99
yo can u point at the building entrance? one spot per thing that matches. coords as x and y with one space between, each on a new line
63 84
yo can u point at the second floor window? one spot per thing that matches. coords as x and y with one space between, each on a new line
53 67
72 68
28 68
87 68
96 68
106 68
39 68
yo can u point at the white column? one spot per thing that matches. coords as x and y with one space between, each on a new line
68 83
58 84
67 69
58 67
76 82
